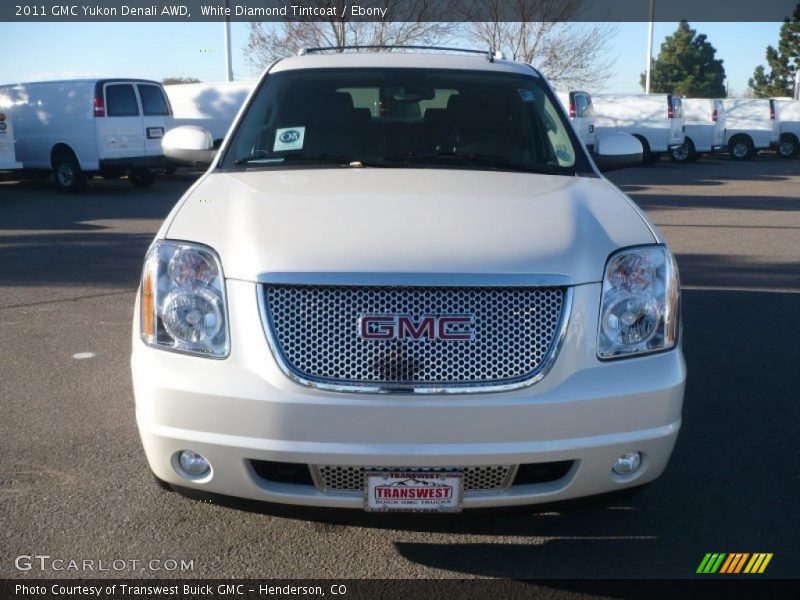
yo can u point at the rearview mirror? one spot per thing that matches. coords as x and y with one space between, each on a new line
414 93
189 145
617 151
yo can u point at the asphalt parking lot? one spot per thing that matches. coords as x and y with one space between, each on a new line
74 482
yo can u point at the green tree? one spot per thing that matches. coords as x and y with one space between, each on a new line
686 65
783 62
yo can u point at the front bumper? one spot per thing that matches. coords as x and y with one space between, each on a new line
244 408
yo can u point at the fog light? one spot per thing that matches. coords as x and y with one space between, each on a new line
194 464
627 463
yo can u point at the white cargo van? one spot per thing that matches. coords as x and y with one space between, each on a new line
8 160
212 106
789 144
751 125
84 127
705 129
655 119
581 114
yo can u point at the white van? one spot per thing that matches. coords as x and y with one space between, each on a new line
580 109
212 106
751 125
8 159
705 129
655 119
84 127
789 143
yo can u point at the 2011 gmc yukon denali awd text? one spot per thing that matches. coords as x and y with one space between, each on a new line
403 285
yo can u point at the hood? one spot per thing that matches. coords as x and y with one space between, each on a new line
378 221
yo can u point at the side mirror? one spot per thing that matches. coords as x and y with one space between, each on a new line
189 145
617 151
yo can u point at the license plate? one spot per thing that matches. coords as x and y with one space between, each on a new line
414 491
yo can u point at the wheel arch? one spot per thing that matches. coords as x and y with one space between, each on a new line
741 136
644 141
61 149
792 137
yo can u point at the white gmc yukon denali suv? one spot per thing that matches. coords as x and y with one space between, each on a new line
404 285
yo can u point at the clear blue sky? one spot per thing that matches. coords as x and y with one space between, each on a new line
157 50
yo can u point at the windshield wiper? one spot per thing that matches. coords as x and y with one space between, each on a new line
336 159
487 160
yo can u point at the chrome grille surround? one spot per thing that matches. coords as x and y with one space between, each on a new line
318 351
352 480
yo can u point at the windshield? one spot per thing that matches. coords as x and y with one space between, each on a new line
416 118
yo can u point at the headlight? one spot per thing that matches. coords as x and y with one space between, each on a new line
183 299
639 303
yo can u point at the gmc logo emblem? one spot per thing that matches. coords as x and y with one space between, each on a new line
429 327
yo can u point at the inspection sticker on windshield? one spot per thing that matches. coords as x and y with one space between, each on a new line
414 491
526 95
289 138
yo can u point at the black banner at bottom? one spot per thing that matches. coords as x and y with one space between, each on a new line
390 589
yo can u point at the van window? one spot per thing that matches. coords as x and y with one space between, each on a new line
583 105
153 101
121 101
677 106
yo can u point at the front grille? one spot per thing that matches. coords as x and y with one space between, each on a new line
314 330
343 479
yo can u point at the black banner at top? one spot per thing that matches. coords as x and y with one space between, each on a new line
395 10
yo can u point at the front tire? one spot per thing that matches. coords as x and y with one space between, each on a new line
683 154
788 147
69 177
741 148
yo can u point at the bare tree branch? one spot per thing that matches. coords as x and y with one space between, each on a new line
570 54
424 23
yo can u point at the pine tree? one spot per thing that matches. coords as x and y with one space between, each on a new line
783 62
687 66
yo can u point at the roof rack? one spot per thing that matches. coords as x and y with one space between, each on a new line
489 53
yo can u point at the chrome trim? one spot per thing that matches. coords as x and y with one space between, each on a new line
428 389
420 279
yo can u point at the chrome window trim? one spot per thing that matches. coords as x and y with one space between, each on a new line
478 388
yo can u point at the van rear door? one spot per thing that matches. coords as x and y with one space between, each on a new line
677 129
119 129
719 121
775 121
156 116
583 117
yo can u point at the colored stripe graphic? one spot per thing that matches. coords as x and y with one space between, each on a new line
758 563
727 564
734 563
711 562
703 563
741 562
